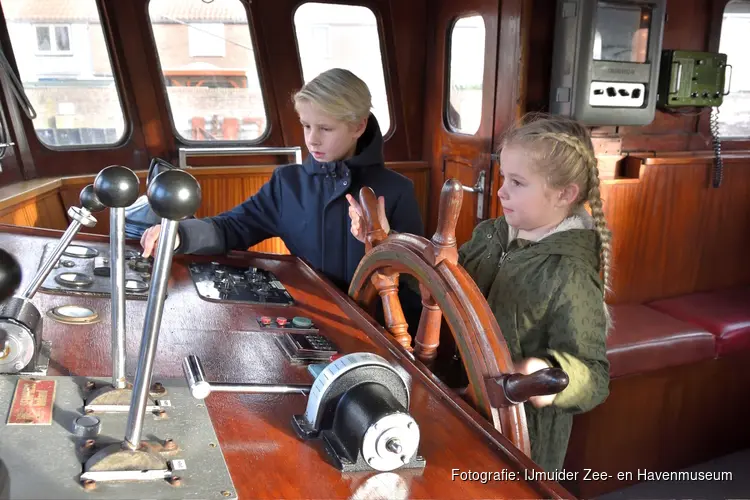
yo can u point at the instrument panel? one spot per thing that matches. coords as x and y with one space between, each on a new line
217 282
85 270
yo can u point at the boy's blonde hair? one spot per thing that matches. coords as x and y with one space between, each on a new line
564 154
339 93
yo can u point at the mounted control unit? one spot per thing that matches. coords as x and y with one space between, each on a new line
605 67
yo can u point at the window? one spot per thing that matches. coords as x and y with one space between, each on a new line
734 116
207 59
463 111
75 97
343 36
53 39
207 39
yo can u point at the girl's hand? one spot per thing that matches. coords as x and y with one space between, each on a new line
358 228
529 366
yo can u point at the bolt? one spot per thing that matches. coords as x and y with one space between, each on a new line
89 443
169 444
88 411
160 413
157 388
90 386
88 484
18 365
175 481
226 493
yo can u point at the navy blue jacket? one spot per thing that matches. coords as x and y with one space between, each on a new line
305 205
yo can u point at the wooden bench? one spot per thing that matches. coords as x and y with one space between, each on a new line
678 394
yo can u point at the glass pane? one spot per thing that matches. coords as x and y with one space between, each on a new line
734 115
343 36
622 32
42 38
62 38
66 72
207 58
464 107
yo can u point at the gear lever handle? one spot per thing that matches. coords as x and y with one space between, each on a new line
174 195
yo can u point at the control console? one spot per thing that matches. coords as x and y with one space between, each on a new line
217 282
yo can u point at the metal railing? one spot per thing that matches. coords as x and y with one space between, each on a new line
184 153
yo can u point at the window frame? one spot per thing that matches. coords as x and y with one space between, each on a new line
447 73
263 92
389 93
54 52
117 79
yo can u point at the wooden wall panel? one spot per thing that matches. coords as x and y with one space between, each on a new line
42 211
674 234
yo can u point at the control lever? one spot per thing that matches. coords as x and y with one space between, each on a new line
174 195
90 203
200 388
515 388
20 320
117 188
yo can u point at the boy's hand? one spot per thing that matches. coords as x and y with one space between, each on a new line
150 240
358 228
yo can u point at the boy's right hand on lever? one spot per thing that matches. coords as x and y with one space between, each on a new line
359 229
150 240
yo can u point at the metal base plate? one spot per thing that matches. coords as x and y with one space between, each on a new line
137 272
46 461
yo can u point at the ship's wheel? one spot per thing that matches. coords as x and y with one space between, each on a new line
448 292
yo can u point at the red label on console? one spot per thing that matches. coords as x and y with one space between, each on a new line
32 402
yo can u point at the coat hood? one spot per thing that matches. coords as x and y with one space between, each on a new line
369 153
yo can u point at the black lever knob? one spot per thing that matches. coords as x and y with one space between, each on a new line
90 201
174 195
10 275
116 186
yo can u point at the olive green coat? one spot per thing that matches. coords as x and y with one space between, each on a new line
547 299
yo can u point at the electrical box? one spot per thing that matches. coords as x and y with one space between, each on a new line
605 68
691 79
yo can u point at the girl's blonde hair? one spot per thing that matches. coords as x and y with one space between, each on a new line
564 154
339 93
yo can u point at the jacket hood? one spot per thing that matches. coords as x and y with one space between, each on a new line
369 153
573 237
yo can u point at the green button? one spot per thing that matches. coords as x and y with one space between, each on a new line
301 322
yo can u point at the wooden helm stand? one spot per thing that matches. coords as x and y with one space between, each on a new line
448 291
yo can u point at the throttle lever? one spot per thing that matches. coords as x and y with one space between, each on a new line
516 388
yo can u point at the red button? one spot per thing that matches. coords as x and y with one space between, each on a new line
265 320
281 321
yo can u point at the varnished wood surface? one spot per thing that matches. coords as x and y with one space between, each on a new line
264 456
675 234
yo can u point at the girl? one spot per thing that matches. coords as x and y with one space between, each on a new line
539 268
305 205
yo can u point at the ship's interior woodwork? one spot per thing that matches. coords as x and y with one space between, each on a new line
680 285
